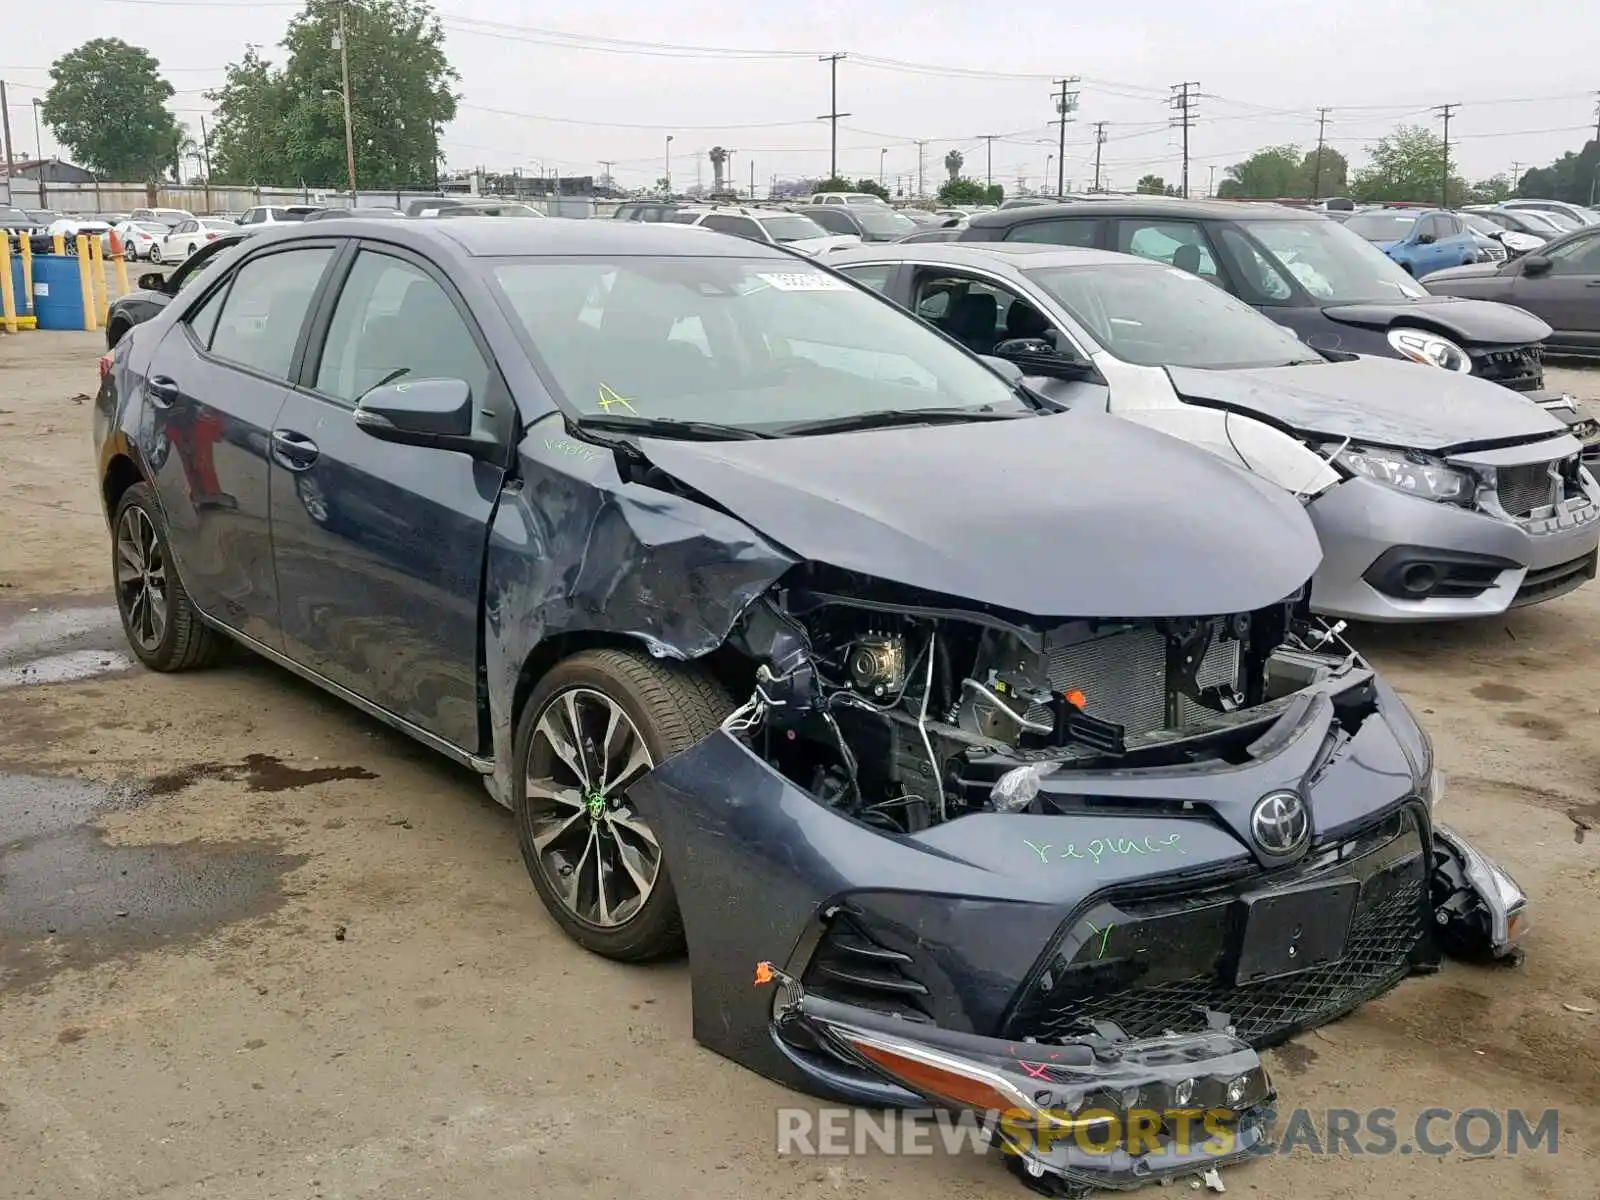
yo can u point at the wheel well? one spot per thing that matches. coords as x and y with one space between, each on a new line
120 476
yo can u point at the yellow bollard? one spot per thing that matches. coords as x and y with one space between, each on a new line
121 259
8 301
60 243
97 275
25 245
86 288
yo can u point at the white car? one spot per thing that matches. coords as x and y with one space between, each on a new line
792 229
137 237
70 227
187 237
166 216
276 214
848 198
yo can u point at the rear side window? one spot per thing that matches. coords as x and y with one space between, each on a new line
738 226
1063 231
265 309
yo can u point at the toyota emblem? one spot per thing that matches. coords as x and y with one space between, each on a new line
1280 823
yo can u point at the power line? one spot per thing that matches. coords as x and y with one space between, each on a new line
1445 110
1184 96
833 115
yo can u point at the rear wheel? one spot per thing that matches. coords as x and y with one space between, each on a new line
596 723
192 248
155 255
161 622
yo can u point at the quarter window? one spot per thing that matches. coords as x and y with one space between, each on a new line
875 277
393 322
1180 244
1059 232
266 308
738 226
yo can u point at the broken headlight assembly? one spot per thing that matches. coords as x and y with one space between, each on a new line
1405 471
1430 350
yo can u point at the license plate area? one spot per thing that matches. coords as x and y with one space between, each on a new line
1288 930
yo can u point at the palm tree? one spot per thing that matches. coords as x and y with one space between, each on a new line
952 163
183 146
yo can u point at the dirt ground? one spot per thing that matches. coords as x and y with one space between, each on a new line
254 945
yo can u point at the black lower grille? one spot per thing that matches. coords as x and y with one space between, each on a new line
1549 582
1171 962
854 968
1520 369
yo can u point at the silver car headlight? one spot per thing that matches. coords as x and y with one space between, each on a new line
1430 350
1406 471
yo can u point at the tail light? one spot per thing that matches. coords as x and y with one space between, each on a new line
211 237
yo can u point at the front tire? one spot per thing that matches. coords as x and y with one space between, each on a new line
596 723
160 621
155 255
192 249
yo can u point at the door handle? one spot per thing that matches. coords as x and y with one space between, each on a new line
161 390
293 450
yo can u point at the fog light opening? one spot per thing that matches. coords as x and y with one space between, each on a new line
1419 579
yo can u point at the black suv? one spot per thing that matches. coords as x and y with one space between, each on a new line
1304 271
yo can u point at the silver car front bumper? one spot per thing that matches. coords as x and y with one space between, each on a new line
1359 522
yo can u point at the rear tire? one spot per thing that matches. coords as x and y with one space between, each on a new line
596 865
155 255
162 625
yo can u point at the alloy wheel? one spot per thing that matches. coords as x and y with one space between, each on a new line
601 860
142 579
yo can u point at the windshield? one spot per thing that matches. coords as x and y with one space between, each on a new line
1324 258
1480 224
1559 221
518 210
1382 227
749 342
1166 317
151 226
791 227
289 214
884 220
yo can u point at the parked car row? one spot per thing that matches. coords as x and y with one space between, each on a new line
970 715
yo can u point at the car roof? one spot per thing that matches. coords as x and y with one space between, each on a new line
552 237
1009 256
1145 206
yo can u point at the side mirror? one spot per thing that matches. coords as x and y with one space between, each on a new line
1426 239
153 281
1044 356
1536 264
425 412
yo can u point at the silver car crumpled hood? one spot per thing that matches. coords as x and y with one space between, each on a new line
1376 401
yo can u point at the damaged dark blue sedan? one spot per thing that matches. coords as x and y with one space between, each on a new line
979 753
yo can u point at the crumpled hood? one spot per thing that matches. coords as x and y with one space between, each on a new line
1075 514
1374 400
1465 321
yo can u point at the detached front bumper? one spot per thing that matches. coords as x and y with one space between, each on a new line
1101 1111
1376 539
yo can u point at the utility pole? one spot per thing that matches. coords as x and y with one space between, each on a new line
349 131
752 179
990 139
883 156
1445 111
1316 172
1066 105
5 130
1184 96
922 150
1099 140
205 146
1594 182
833 114
668 176
1211 181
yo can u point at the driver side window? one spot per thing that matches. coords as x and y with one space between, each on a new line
1581 256
978 314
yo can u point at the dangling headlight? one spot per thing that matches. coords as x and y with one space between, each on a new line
1430 350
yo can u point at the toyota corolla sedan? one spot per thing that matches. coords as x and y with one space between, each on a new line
1436 495
797 637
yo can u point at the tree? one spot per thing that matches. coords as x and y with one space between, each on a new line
1331 179
872 186
286 124
834 183
1406 165
952 163
107 104
1154 185
970 191
1267 174
1574 178
1489 191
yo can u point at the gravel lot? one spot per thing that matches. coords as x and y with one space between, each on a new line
253 944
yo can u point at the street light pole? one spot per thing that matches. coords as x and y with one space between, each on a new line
349 131
669 164
38 142
882 155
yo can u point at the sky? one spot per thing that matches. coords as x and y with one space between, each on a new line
546 88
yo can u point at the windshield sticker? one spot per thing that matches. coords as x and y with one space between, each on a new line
609 400
803 281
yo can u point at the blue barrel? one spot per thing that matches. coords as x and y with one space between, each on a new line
57 291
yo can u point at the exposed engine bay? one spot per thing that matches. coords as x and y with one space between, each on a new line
906 713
